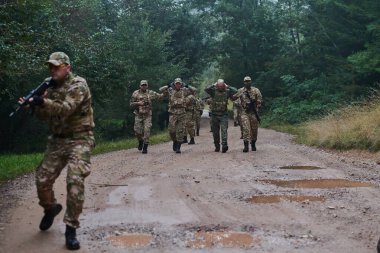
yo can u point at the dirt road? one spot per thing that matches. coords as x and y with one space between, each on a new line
202 201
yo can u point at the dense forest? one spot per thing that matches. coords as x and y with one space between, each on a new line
307 57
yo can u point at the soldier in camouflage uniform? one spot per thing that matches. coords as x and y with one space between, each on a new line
191 114
198 116
177 94
220 93
249 96
141 100
237 116
66 108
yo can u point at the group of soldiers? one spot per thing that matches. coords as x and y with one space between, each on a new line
66 107
185 110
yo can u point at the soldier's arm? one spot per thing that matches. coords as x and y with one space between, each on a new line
259 98
164 90
133 100
64 108
236 94
210 90
156 96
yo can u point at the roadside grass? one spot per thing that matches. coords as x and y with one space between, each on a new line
14 165
351 127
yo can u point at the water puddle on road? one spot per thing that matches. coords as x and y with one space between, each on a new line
300 168
268 199
320 183
131 240
209 239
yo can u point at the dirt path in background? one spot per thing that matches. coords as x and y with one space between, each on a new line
202 201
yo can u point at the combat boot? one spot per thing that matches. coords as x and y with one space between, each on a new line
48 218
235 124
378 246
191 141
245 146
140 147
174 145
224 148
197 131
185 139
253 145
145 148
71 238
178 150
217 148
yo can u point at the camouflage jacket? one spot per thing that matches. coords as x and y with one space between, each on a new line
67 108
191 103
246 96
177 99
147 97
219 101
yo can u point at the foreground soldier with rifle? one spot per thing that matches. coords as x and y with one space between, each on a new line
250 99
64 103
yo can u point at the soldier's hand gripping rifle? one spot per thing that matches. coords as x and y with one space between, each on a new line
39 91
252 107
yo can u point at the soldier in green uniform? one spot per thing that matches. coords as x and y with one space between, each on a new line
191 114
250 100
66 108
220 92
177 94
141 100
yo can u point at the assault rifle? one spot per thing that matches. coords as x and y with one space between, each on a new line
252 107
39 91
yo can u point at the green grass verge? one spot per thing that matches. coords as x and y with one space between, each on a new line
12 166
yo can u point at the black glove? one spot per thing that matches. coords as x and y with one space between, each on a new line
37 101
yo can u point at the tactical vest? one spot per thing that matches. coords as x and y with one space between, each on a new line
219 101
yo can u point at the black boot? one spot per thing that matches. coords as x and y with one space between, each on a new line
178 150
197 131
378 246
253 145
245 146
174 145
48 218
235 124
217 148
191 141
145 148
224 148
185 139
140 147
71 238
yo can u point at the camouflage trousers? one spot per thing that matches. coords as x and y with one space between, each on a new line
143 124
177 127
250 126
190 123
74 154
219 126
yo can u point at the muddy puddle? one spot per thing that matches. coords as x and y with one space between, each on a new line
320 183
300 168
268 199
131 240
210 239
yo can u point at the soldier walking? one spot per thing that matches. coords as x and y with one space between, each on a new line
220 92
250 99
66 108
191 114
177 94
142 100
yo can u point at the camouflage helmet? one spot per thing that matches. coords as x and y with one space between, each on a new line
247 79
142 82
58 58
177 80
